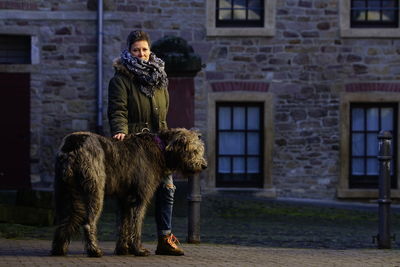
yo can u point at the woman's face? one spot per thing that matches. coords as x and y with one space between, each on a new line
140 49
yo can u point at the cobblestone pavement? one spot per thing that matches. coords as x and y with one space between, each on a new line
36 253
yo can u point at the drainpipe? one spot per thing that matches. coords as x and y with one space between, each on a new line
99 125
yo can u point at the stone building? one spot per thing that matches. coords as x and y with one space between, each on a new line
290 99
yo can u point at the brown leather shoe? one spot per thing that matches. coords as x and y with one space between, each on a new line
167 246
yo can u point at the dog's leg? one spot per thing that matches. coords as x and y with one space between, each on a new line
135 244
94 206
68 226
124 214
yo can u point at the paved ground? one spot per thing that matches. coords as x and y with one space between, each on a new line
36 253
265 233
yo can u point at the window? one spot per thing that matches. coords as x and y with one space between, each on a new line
365 109
375 13
223 107
239 144
239 13
241 17
15 49
369 18
367 120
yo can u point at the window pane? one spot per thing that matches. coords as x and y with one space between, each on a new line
389 15
357 145
225 4
373 15
231 143
239 3
224 118
372 166
358 15
254 14
357 167
373 3
358 4
239 14
357 118
238 165
239 118
372 119
389 3
224 15
254 4
372 145
253 165
253 143
224 165
253 118
387 119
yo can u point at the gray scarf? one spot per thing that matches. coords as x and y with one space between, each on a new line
149 74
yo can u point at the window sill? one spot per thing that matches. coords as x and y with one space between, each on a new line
370 33
213 31
257 192
364 193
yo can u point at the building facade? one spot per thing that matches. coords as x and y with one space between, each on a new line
290 100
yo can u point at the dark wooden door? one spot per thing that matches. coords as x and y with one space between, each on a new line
14 134
181 106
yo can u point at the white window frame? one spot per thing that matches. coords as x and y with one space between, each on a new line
347 32
267 30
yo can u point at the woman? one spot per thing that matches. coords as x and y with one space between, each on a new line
138 99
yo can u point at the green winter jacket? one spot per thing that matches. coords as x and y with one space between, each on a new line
129 110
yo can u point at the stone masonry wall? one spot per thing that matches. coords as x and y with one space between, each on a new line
306 64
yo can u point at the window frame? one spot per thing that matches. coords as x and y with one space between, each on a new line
346 99
374 24
364 106
232 23
268 189
268 28
346 31
259 182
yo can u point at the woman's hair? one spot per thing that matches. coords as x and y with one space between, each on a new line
137 35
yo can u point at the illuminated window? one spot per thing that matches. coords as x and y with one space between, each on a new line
374 13
239 13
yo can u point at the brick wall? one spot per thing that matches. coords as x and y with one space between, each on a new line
306 66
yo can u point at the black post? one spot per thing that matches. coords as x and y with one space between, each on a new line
385 157
194 199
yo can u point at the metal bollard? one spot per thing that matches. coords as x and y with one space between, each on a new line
385 143
194 199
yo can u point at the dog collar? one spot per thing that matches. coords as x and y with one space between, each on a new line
159 142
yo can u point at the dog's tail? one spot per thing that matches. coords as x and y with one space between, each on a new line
62 194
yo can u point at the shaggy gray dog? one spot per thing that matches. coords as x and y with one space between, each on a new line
90 166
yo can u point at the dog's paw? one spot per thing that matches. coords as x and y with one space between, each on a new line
121 251
142 252
96 253
58 252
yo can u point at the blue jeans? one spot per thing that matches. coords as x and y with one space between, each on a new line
164 204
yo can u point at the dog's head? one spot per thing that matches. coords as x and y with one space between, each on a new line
184 150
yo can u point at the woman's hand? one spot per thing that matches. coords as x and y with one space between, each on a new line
119 136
